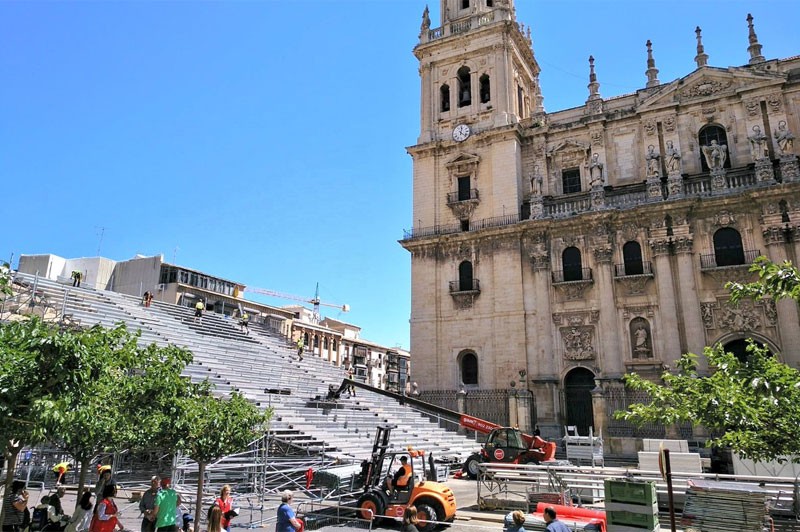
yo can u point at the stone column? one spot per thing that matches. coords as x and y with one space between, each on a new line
775 239
542 365
611 356
513 407
690 304
427 102
669 348
461 402
599 410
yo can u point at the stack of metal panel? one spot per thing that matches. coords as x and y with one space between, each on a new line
724 506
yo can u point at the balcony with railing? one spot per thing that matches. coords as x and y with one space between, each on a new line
572 275
465 286
460 26
463 195
728 258
735 181
632 268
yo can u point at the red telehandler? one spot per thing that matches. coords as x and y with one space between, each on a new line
506 445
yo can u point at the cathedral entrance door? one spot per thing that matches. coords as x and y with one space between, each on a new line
578 386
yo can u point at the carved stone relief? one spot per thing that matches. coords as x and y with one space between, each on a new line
775 102
705 87
752 107
638 310
635 285
578 342
649 127
573 290
724 219
464 300
739 318
597 138
670 123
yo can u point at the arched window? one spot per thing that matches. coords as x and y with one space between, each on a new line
469 368
444 93
728 250
578 386
738 348
464 87
632 256
704 138
486 91
305 339
573 268
465 281
324 343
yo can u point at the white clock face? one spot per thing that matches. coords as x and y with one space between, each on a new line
461 133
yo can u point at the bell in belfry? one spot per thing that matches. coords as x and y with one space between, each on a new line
465 96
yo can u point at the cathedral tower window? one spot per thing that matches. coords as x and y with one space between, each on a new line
464 4
573 266
710 133
486 92
489 3
464 87
465 280
444 98
463 188
728 249
469 367
570 180
632 257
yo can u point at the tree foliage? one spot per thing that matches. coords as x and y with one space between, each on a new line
5 279
217 427
751 405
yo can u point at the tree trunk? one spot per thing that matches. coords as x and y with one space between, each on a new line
85 463
201 473
10 453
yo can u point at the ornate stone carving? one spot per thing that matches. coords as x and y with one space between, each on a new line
785 139
463 209
765 173
597 138
739 318
683 244
758 144
775 102
578 317
752 107
707 314
734 274
641 343
771 312
715 155
659 247
705 87
638 310
629 231
649 127
572 290
603 255
790 169
578 342
773 235
724 219
635 284
670 123
464 300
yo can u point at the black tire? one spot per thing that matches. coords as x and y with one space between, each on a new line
427 513
471 466
371 506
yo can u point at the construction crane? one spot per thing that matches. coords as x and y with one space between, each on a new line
314 301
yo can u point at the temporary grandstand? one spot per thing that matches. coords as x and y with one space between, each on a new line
308 430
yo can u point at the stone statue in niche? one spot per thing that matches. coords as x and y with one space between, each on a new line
596 172
536 181
715 155
652 157
758 144
784 138
673 159
640 339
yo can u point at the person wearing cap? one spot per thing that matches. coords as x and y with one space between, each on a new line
401 477
287 519
166 507
147 505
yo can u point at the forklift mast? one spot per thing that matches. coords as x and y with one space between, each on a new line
382 437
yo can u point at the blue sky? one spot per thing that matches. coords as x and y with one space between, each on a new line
264 141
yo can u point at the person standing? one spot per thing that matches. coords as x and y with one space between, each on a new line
55 501
225 503
287 519
166 507
199 307
553 524
147 505
76 278
351 390
105 479
14 505
300 347
105 517
245 322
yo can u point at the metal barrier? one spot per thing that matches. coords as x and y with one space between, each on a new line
324 517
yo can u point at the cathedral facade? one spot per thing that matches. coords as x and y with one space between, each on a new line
553 252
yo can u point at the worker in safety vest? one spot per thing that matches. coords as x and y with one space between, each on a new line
300 346
244 323
199 307
401 478
59 470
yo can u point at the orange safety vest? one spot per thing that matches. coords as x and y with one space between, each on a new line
405 477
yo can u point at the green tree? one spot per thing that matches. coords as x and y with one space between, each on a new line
118 396
5 279
753 404
217 427
24 379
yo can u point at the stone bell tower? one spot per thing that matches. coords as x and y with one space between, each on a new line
479 89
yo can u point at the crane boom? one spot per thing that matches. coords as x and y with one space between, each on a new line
313 300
